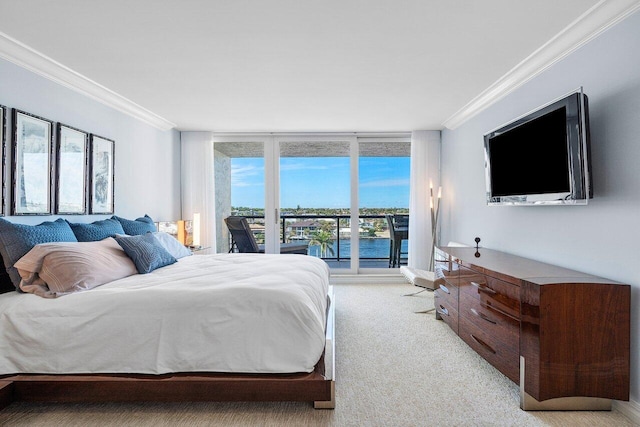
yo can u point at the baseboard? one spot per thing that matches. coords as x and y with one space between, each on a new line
630 409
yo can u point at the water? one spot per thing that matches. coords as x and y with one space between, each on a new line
369 248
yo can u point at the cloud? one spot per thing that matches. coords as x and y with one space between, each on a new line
392 182
247 176
301 166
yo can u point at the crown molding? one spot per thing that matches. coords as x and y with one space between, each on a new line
24 56
600 17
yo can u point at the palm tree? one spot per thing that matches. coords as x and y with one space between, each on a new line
324 239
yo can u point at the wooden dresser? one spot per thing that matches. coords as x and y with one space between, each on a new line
562 335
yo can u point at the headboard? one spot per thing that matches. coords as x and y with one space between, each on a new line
5 281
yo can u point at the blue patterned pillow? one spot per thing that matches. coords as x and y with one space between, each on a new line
145 251
137 226
97 230
18 239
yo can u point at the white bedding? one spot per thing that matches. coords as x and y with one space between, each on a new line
253 313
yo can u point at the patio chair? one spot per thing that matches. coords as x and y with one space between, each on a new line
245 242
398 230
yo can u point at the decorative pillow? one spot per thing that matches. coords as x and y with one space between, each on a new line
145 251
18 239
172 245
137 226
55 269
97 230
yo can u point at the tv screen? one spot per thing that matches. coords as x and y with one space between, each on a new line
542 157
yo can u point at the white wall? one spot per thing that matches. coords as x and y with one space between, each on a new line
602 238
147 160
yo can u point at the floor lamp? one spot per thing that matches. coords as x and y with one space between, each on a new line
421 278
434 223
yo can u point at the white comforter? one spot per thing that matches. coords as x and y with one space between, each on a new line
251 313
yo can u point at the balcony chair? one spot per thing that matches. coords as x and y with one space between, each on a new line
398 230
245 242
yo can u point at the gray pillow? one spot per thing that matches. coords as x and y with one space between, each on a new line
18 239
55 269
172 245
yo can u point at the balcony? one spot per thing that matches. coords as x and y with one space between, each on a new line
334 246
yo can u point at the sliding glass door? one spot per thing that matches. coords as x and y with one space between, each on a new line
383 202
239 168
315 196
331 192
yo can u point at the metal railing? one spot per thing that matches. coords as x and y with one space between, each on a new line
285 222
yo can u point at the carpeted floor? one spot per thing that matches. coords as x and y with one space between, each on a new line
394 368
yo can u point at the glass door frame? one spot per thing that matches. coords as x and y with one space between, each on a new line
271 142
267 142
372 138
352 140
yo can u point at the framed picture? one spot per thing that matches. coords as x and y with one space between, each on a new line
3 156
101 175
32 164
71 176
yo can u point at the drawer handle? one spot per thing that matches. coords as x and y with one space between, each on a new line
482 288
482 343
483 316
443 311
444 289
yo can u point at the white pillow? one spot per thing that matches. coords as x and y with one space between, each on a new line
54 269
172 245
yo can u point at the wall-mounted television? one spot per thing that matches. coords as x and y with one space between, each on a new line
543 157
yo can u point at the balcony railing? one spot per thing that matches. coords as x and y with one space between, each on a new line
340 222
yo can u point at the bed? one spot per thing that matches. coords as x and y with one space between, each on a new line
225 327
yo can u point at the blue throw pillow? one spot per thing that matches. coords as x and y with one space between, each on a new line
145 251
18 239
137 226
97 230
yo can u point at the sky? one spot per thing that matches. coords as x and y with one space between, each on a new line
323 182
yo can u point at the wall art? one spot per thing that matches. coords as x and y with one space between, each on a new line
101 175
71 176
32 164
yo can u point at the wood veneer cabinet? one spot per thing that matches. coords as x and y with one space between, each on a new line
562 335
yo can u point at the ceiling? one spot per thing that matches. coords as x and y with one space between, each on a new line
292 65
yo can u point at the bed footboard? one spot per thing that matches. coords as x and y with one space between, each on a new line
329 354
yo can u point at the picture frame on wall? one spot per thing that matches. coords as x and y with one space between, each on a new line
32 164
3 157
72 166
101 175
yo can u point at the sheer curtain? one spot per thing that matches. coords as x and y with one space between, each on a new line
425 168
198 191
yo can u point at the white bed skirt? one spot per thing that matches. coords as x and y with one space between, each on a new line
250 313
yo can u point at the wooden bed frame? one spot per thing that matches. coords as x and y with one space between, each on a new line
168 388
317 387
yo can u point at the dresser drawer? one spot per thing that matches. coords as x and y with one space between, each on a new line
502 327
448 292
446 311
502 357
497 294
445 267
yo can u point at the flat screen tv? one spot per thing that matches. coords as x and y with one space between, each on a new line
541 158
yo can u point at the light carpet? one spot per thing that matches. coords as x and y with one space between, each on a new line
394 368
